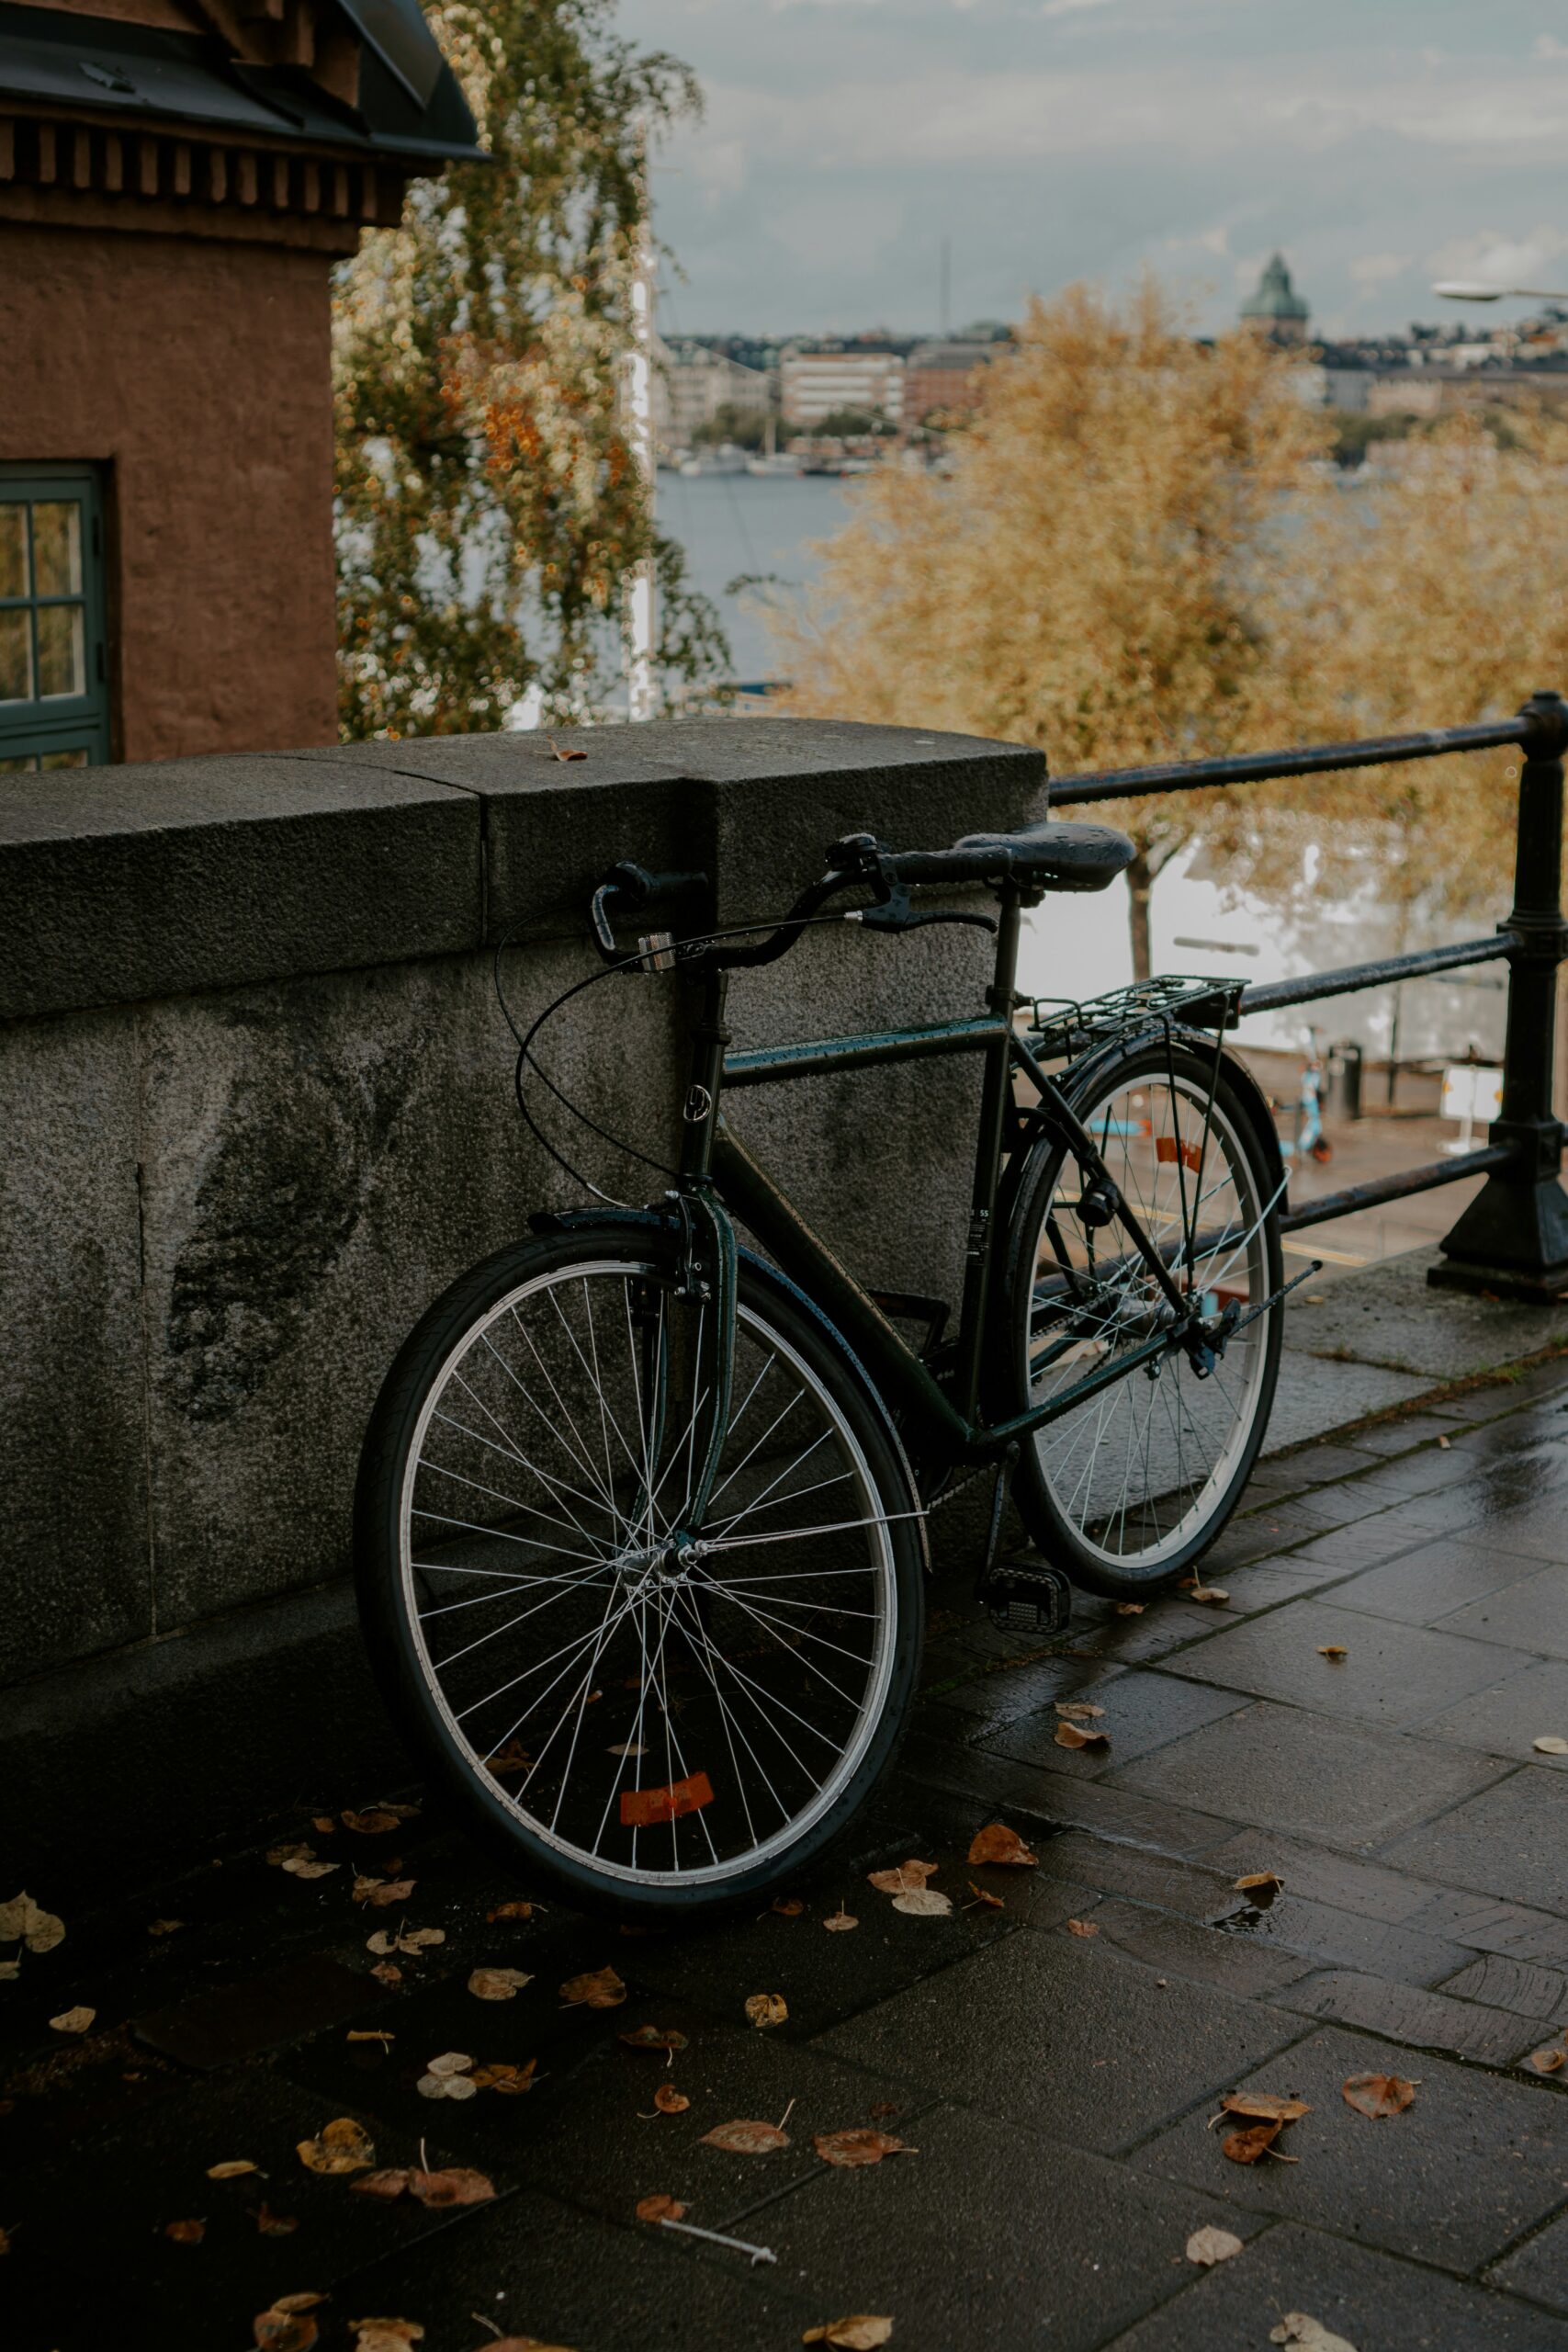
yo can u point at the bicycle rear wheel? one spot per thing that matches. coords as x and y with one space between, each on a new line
1127 1490
659 1718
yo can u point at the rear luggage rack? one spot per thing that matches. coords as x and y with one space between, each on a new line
1061 1025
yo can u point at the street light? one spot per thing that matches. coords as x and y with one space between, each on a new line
1464 289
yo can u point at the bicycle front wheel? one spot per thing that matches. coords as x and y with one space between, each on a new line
659 1718
1128 1489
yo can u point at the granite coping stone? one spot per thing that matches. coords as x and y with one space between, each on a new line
1452 2181
1364 2298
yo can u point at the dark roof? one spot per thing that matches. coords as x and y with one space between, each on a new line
409 101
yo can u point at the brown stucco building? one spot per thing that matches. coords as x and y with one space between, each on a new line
177 178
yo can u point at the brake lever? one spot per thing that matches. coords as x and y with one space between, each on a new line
898 915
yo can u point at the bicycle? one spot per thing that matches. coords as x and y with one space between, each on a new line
640 1527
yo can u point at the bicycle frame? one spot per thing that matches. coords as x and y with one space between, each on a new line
948 1424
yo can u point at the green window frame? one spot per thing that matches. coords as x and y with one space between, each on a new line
54 705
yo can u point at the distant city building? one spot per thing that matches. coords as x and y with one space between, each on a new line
944 379
1275 308
692 383
817 384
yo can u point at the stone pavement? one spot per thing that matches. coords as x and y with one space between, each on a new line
1057 2086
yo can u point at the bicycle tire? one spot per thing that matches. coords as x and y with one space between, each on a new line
705 1675
1095 1488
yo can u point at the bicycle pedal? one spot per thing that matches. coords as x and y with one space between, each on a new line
1023 1598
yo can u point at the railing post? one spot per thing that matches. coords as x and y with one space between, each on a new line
1513 1239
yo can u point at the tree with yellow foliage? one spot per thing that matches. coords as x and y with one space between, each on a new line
1141 552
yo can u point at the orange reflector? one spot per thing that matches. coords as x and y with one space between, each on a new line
641 1807
1165 1150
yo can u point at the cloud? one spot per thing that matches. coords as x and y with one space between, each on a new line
1546 48
1070 7
1493 259
1376 269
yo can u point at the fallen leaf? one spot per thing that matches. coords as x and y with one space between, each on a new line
286 2325
388 1971
1077 1710
568 754
746 2139
343 2146
788 1906
74 2020
384 2335
9 1971
1550 1745
508 2080
517 1909
599 1989
230 2168
998 1843
1378 2094
324 1822
1246 2147
372 1824
659 2208
859 2147
1332 1649
629 1747
459 2185
1074 1735
512 1758
275 2225
1210 2245
653 2037
1082 1928
670 2101
311 1868
767 2008
924 1903
498 1984
904 1880
841 1922
163 1927
372 2033
411 1940
1264 2106
22 1921
299 1851
186 2233
1548 2061
381 1893
861 2332
989 1902
1259 1883
1309 2334
1213 1595
1130 1608
447 2076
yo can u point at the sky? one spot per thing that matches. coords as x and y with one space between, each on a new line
1379 143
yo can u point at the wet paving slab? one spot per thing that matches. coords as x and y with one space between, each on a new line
1051 2064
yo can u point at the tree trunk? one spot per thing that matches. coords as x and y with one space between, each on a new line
1140 883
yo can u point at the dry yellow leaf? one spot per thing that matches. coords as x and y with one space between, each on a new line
384 2335
923 1903
1259 1883
186 2233
1378 2095
1130 1608
746 2139
22 1921
516 1909
1074 1735
659 2208
904 1880
861 2332
1210 2246
840 1922
1550 1745
600 1989
372 1824
1308 2335
998 1843
1265 2107
859 2147
74 2020
343 2146
510 2081
1332 1649
1077 1710
767 2008
670 2101
498 1984
230 2168
1548 2061
1082 1928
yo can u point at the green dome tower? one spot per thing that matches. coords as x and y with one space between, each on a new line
1276 309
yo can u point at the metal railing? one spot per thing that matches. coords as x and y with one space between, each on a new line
1512 1240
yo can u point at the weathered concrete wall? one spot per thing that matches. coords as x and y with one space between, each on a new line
256 1090
198 375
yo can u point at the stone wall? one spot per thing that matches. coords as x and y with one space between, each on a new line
257 1096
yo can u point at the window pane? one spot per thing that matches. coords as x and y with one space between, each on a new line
63 760
56 548
24 766
13 550
61 664
15 657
